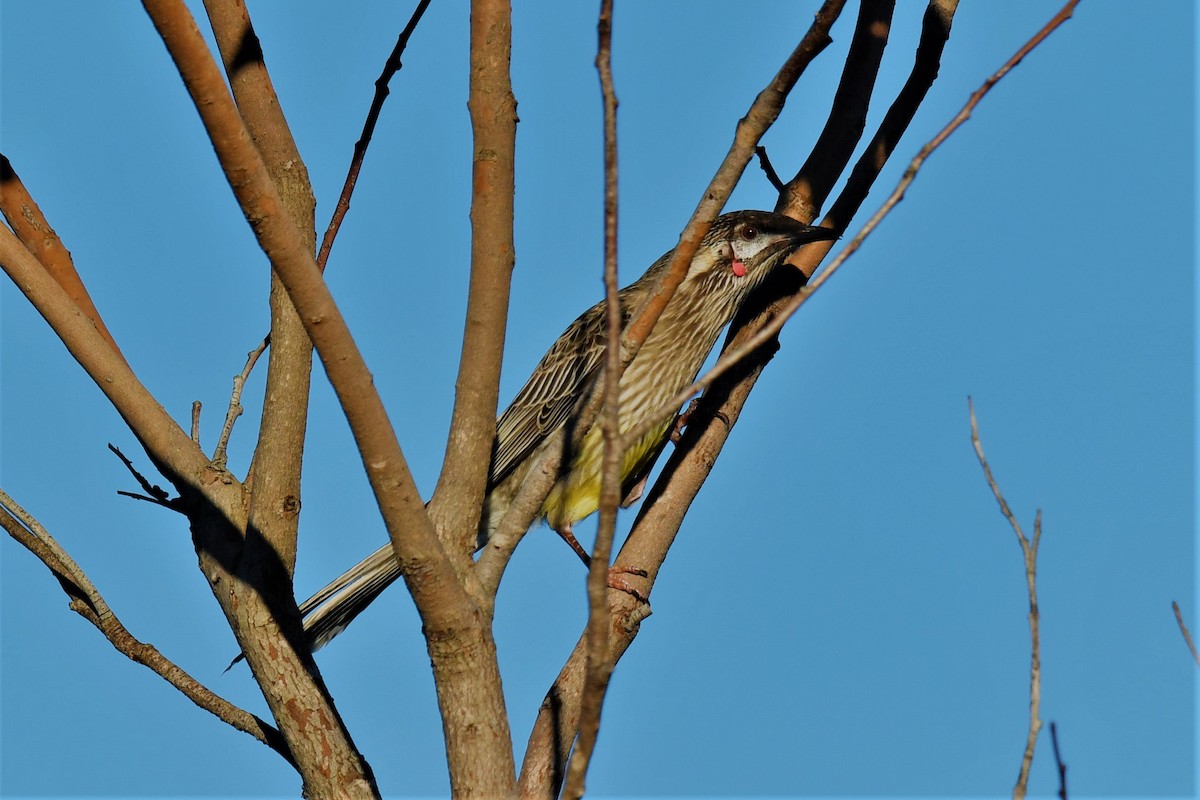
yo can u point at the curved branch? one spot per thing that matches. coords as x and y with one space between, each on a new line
87 601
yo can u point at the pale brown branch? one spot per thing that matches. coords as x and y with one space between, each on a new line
390 68
220 456
31 227
438 594
458 497
87 601
1029 555
275 467
598 669
1187 636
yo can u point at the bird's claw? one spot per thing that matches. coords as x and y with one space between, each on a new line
618 581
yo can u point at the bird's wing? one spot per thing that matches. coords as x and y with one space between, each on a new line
560 379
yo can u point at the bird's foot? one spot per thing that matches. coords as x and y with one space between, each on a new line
618 579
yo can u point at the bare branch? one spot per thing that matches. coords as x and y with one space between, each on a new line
390 68
430 576
662 512
1058 762
599 667
1187 636
461 486
31 227
87 601
764 162
196 406
767 332
1029 554
156 493
539 775
220 455
804 195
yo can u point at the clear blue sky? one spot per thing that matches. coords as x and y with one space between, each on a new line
844 611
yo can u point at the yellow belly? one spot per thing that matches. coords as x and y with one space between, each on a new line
578 494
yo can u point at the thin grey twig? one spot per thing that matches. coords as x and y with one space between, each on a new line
1187 636
599 664
220 455
1029 552
196 422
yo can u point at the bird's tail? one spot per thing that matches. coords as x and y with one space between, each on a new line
329 611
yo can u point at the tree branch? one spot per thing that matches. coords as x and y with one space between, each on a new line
663 510
1029 553
458 498
848 117
1187 636
599 668
390 68
87 601
29 224
557 722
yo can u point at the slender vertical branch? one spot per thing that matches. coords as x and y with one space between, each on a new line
599 664
1029 550
1059 763
458 498
557 721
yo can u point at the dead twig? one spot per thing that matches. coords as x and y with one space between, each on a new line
156 494
87 601
220 455
1187 636
1029 550
1058 762
599 665
390 68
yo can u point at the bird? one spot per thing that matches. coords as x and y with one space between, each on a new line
739 250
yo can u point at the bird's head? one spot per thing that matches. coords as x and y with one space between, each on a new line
741 247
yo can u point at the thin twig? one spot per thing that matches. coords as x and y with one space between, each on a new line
156 493
1187 636
599 665
734 355
87 601
764 162
1029 553
220 456
390 68
196 422
1058 762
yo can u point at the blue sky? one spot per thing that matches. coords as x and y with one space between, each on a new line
844 610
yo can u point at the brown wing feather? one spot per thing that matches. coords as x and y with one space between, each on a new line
546 401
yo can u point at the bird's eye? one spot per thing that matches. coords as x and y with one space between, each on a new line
749 232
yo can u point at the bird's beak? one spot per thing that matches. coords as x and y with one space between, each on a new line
814 233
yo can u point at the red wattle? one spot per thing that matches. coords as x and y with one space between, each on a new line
739 268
